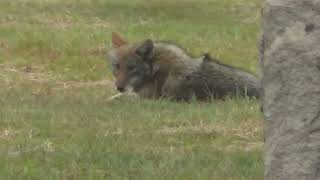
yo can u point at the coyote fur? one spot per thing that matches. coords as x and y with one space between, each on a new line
162 70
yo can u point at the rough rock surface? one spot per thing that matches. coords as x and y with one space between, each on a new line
290 59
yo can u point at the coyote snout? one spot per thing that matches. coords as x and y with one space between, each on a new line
121 87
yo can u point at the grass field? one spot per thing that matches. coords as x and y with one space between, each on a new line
55 122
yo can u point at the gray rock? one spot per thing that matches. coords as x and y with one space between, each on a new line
290 59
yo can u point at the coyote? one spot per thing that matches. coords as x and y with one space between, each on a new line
162 70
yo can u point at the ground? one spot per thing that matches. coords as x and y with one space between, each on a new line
55 122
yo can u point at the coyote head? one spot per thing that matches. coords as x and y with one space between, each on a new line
131 63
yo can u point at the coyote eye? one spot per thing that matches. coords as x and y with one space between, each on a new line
130 68
116 65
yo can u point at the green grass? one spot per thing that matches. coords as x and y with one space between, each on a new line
55 122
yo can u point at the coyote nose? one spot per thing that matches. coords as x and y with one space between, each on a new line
121 89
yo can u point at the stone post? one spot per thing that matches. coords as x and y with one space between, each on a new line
290 60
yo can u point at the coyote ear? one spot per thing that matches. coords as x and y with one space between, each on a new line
117 41
145 50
